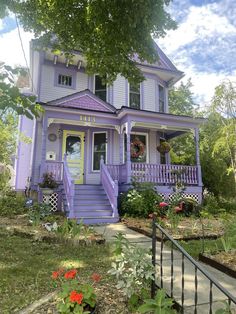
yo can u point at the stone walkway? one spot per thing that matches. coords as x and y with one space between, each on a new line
227 282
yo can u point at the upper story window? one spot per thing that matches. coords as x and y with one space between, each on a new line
134 96
100 88
64 80
161 98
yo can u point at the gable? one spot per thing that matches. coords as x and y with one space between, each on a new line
83 100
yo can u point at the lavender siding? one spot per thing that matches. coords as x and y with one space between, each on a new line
149 95
23 160
37 154
119 92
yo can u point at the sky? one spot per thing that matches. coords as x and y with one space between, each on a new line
203 46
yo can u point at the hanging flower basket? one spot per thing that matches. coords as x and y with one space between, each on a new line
164 147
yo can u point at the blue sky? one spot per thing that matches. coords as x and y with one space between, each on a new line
203 46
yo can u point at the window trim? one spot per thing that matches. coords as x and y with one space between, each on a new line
98 132
164 90
140 95
66 72
146 134
94 84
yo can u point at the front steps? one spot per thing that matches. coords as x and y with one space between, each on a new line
91 205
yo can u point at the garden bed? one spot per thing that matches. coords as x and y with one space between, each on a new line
223 261
20 226
188 228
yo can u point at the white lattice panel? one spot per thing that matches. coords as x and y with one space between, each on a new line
52 200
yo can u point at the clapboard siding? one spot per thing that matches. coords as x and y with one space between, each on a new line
149 94
119 92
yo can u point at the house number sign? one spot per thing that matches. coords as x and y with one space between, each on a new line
87 118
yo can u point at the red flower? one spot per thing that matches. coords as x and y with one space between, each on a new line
163 204
70 274
76 297
96 277
178 209
55 274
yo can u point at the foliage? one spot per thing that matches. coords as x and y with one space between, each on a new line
225 310
140 200
71 229
106 32
132 268
75 297
12 204
48 181
28 265
5 176
210 203
160 304
11 100
38 212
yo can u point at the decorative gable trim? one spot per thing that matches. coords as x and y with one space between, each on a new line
83 100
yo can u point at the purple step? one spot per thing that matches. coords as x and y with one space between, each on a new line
93 213
92 207
88 187
91 202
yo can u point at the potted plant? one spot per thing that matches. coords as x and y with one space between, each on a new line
48 184
164 147
75 296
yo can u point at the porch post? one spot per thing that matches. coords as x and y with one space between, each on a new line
199 171
121 138
128 155
43 149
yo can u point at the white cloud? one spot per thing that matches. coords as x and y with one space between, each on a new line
202 47
10 47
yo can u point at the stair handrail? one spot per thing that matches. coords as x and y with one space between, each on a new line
69 187
110 186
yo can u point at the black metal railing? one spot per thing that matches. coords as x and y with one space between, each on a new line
198 269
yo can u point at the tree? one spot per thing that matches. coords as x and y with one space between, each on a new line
11 99
110 33
224 103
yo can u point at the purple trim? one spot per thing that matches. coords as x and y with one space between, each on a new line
34 152
20 125
176 72
62 66
66 72
156 78
142 96
43 149
85 155
41 58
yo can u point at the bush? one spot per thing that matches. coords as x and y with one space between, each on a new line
12 204
210 204
228 205
139 201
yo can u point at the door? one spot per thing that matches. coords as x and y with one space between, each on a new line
73 147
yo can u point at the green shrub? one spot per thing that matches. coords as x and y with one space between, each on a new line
228 205
12 204
210 204
139 201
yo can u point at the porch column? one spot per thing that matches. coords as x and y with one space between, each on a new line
121 138
199 171
128 155
43 149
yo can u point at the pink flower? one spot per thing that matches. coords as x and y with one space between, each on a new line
163 204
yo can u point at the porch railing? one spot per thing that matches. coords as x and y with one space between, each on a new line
110 186
164 174
54 167
173 271
69 187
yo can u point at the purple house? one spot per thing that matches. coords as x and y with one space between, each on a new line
95 138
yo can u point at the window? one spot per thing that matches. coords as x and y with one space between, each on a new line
100 88
138 147
161 98
99 149
134 96
64 80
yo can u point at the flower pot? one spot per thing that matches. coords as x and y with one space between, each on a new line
164 148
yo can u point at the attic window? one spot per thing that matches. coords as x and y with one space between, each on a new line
65 80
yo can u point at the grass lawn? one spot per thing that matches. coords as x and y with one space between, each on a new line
26 267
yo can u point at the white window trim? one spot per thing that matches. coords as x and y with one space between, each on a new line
107 94
164 89
147 146
140 93
100 132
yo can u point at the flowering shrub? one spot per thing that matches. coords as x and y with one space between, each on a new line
75 297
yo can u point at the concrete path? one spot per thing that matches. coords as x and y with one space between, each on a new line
229 283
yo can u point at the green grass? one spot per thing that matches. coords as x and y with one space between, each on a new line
26 267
